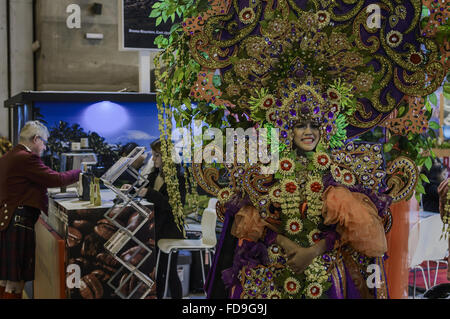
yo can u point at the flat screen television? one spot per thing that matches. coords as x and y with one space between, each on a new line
117 122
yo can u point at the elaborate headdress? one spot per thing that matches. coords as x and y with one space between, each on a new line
345 65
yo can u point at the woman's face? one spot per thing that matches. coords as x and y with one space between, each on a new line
157 159
306 136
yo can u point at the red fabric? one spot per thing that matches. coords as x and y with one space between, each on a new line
441 277
24 180
8 295
2 291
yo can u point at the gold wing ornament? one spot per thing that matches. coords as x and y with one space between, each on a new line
241 179
402 178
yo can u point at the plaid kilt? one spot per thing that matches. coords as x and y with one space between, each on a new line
17 247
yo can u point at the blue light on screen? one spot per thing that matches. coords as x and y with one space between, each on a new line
117 122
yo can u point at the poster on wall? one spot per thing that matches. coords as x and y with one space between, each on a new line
137 31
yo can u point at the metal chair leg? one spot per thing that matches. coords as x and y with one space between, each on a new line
424 277
429 272
202 266
167 275
157 264
436 273
210 258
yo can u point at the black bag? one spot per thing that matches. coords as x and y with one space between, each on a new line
441 291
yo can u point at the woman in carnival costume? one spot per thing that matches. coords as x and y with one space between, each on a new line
323 230
321 74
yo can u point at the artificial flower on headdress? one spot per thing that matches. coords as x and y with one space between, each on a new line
224 195
314 187
290 187
323 18
336 173
247 15
314 290
287 166
394 38
314 236
275 193
347 179
291 285
275 294
321 160
274 252
294 226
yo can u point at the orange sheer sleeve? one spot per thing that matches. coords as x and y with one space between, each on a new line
248 224
357 220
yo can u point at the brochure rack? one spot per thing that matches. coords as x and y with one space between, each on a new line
132 280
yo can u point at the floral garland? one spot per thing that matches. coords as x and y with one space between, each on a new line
301 225
169 168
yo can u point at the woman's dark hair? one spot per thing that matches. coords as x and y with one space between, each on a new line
156 145
435 172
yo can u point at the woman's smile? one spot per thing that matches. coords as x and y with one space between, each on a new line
306 136
308 140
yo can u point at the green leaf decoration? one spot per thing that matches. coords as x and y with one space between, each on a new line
387 147
433 99
434 125
420 189
155 13
424 178
428 163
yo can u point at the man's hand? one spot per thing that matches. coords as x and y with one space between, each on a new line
142 192
125 187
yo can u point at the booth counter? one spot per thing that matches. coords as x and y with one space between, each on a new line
78 231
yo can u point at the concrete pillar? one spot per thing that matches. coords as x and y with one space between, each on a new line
3 69
17 73
21 39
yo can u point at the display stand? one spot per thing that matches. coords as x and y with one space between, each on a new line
132 280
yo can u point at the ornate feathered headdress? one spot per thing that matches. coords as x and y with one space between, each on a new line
319 61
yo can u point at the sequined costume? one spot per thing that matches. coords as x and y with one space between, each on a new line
257 268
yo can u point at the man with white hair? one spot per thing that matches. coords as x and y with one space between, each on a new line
24 180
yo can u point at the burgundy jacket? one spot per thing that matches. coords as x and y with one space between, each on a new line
24 180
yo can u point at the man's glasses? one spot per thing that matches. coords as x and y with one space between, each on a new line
44 141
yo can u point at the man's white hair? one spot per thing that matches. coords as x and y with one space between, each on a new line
32 129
